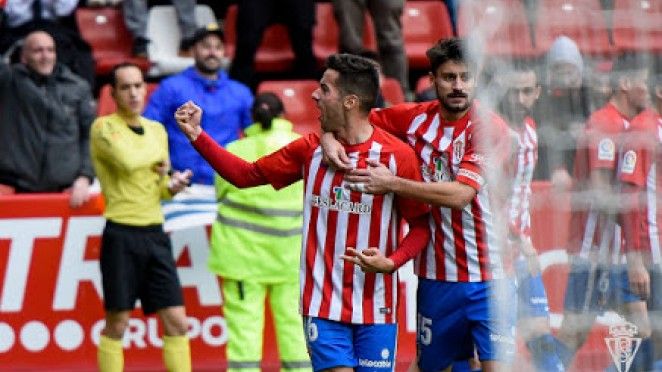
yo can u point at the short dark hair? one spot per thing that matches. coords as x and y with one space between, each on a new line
629 63
451 49
356 75
119 66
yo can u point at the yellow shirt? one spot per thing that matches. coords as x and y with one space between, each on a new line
124 162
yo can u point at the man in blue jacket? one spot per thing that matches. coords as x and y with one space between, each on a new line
226 103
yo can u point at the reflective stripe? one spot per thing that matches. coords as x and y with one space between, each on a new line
257 228
270 212
295 364
240 365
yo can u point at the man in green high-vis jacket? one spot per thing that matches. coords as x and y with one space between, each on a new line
255 248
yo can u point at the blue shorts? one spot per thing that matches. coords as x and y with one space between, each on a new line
610 288
453 317
531 293
364 347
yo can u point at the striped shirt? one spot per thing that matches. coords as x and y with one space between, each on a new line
642 152
464 245
525 158
336 218
591 230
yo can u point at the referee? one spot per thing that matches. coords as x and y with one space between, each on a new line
130 156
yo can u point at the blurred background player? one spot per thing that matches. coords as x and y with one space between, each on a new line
130 156
255 248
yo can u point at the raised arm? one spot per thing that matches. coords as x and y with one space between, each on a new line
234 169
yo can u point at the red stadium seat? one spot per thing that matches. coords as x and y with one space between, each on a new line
111 42
637 25
581 20
422 84
300 108
392 91
423 24
500 25
275 51
107 104
325 33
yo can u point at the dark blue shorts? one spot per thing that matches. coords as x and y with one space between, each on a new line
531 293
454 317
610 288
364 347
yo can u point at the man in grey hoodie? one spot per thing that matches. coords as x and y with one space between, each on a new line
45 115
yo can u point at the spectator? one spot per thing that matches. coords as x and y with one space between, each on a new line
135 17
386 16
254 16
563 112
45 116
227 103
56 17
130 155
255 248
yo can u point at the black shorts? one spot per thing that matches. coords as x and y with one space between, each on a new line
137 263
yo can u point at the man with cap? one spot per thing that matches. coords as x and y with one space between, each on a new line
226 103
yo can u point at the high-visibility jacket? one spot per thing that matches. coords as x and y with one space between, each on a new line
257 232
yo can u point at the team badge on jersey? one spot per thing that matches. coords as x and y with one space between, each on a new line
629 162
606 149
458 151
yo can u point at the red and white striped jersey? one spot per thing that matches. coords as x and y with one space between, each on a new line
465 246
591 230
642 152
336 218
524 163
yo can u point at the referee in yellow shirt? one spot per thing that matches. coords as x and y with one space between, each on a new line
130 157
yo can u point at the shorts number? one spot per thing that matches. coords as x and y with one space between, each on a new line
312 331
424 330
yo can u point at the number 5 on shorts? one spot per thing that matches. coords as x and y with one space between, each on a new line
424 330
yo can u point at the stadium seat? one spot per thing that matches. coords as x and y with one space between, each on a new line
500 26
422 84
275 51
423 23
165 38
325 33
300 108
107 105
111 42
392 91
581 20
637 25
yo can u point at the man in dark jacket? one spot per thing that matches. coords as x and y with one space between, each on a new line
45 115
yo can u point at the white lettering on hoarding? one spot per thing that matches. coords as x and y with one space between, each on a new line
74 268
22 232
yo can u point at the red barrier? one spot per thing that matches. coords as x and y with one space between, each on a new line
50 293
50 290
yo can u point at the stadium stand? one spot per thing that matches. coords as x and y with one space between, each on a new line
423 23
392 91
647 16
581 20
104 30
275 52
164 46
502 27
296 95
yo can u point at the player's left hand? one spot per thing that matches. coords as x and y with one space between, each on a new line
375 179
370 260
639 281
179 181
80 192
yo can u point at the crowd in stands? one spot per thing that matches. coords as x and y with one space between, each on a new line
52 79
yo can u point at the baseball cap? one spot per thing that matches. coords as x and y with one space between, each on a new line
209 29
